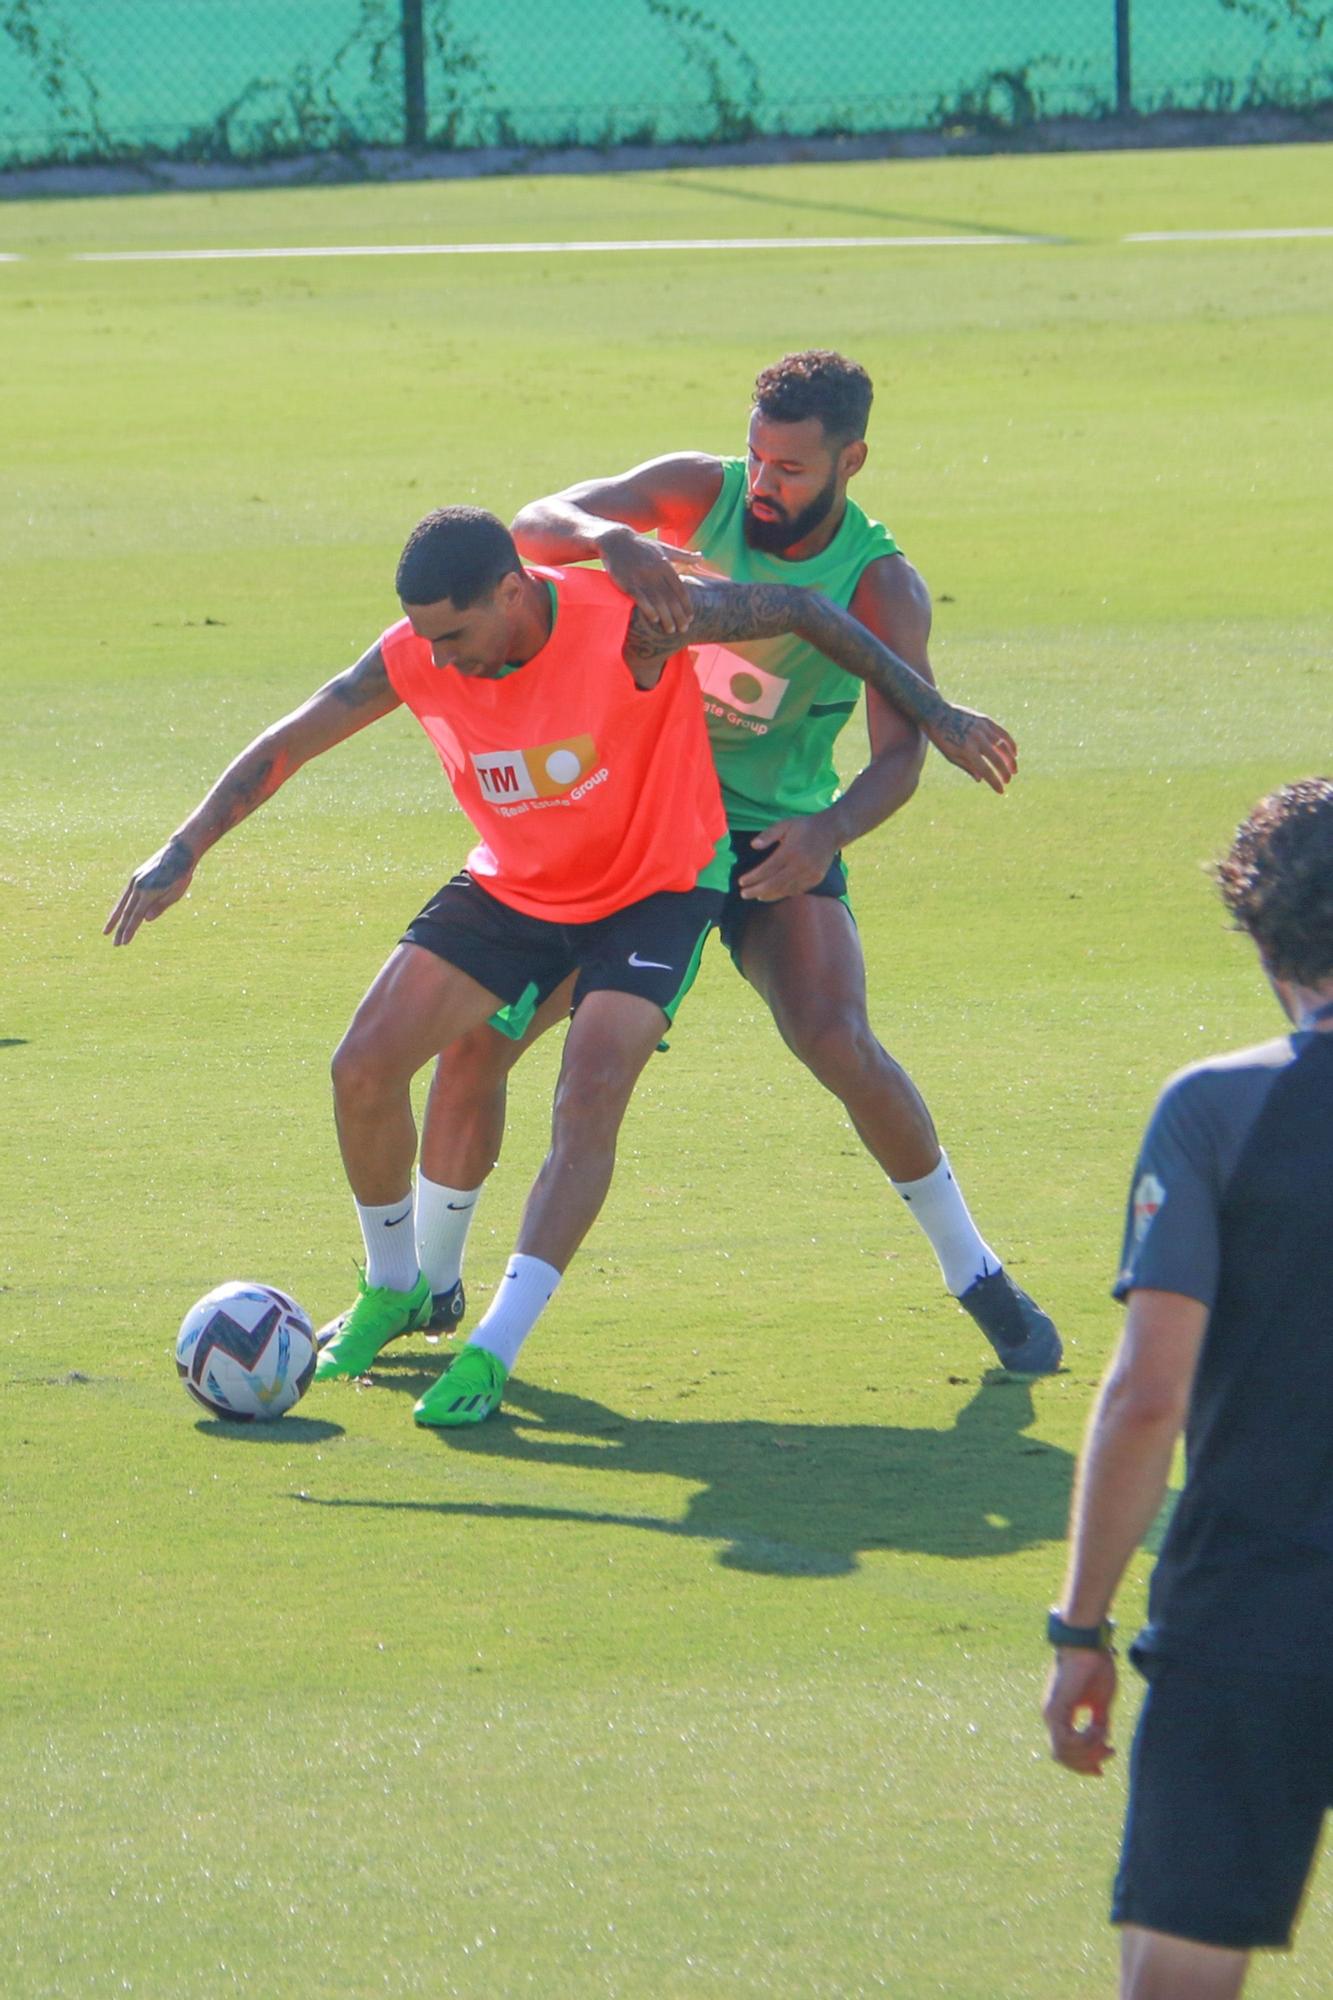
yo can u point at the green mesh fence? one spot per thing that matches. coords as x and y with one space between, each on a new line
250 79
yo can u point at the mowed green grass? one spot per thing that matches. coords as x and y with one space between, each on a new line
712 1668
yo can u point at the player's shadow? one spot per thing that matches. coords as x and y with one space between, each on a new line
790 1498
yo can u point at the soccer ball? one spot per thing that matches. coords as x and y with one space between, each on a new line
246 1352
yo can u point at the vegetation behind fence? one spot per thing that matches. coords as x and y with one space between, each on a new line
255 79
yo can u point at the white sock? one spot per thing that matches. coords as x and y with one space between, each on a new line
444 1216
391 1255
519 1299
936 1202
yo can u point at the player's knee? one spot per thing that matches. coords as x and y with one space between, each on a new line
1154 1966
590 1099
361 1074
838 1047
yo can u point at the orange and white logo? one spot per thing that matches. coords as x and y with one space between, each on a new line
547 771
738 683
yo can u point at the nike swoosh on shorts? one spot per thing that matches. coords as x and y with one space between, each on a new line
648 964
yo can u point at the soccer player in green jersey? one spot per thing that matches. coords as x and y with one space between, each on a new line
774 708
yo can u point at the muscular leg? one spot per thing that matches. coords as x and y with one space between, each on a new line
804 956
463 1128
1156 1967
610 1040
418 1004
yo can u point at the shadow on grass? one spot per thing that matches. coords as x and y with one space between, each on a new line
785 1499
283 1430
724 191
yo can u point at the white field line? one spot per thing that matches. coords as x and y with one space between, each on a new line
630 245
1224 235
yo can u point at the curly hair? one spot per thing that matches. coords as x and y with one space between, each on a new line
456 552
817 383
1277 880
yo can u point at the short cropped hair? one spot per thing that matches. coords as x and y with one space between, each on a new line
457 552
817 383
1277 880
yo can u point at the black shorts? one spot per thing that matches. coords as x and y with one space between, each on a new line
651 948
1229 1779
736 912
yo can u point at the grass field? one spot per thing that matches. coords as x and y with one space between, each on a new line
712 1668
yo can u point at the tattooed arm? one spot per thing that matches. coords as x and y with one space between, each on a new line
336 711
739 611
612 518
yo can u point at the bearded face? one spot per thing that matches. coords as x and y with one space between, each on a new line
771 527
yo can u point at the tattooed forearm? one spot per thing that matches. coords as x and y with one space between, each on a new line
845 641
255 776
763 610
244 787
720 611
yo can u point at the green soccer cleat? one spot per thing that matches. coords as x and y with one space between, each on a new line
379 1316
468 1392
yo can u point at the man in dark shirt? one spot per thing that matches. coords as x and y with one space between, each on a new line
1228 1273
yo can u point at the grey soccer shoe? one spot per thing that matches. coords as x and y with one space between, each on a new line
446 1311
1022 1335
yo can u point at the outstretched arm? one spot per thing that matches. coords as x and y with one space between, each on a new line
611 519
1122 1480
723 611
893 602
342 706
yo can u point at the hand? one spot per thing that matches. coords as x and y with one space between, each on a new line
800 854
982 748
647 571
151 889
1082 1683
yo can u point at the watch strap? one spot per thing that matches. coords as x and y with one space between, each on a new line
1091 1638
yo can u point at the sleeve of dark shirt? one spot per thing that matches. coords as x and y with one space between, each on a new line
1171 1241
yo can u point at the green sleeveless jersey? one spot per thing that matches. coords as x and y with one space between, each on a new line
775 706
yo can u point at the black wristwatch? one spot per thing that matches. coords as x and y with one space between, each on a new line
1090 1638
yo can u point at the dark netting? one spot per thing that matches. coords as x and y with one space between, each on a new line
253 79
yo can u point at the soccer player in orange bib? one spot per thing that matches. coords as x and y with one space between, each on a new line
571 731
781 514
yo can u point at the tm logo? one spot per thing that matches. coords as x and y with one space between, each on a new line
547 771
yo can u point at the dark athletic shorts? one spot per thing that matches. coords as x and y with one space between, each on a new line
736 912
651 948
1229 1779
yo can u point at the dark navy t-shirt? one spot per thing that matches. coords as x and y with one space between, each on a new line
1232 1204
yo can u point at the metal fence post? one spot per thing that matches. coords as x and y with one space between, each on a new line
1124 89
414 73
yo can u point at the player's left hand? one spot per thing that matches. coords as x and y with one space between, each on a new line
799 855
982 748
1082 1685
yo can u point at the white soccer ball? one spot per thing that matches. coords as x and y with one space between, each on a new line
246 1352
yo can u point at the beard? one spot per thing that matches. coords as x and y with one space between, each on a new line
772 537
